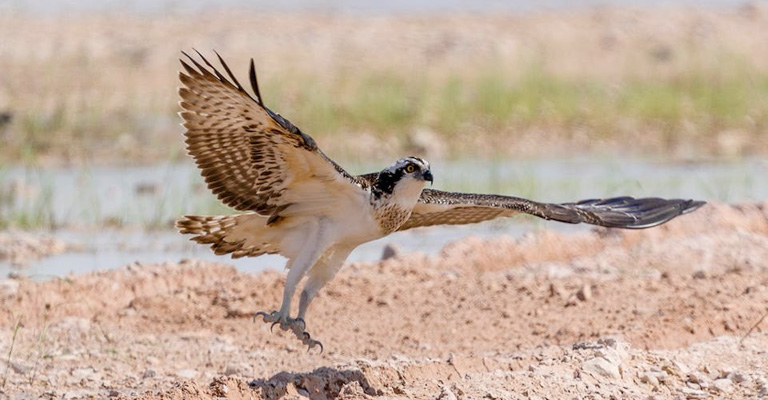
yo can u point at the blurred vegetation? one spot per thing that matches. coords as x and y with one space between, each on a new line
486 103
686 84
492 101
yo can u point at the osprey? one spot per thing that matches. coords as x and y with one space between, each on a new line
297 202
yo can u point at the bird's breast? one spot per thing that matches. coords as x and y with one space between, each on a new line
391 216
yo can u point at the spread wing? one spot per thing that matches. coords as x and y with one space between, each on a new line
252 158
436 207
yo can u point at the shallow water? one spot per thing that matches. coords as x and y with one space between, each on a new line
82 201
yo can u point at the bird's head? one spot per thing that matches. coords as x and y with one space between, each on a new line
406 177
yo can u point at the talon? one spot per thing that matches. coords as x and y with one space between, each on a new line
312 344
260 314
297 326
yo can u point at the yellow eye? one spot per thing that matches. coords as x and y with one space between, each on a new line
410 168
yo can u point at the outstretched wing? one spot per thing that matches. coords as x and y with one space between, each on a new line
252 158
436 207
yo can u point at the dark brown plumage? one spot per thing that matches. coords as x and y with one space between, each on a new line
248 155
436 207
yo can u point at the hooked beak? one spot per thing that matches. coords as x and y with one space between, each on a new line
427 176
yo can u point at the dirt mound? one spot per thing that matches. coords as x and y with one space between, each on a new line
19 248
606 313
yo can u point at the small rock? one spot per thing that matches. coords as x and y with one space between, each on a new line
603 367
692 385
693 394
556 290
723 385
353 390
148 373
649 378
391 250
654 377
696 377
585 293
738 377
724 372
446 394
699 275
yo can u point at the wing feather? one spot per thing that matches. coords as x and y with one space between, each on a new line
436 207
252 158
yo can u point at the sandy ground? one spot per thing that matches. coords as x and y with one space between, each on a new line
661 313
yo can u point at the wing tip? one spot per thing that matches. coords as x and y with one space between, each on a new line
693 205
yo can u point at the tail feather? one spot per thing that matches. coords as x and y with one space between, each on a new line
243 235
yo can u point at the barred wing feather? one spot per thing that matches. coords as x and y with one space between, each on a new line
437 207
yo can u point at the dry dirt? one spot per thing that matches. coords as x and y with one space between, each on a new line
659 313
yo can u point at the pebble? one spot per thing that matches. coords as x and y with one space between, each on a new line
391 250
650 379
148 373
738 377
697 377
446 394
762 390
603 367
723 385
654 377
585 293
693 394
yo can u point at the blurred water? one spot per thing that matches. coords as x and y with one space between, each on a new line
134 198
57 7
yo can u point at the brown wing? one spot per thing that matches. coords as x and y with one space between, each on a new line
438 208
252 158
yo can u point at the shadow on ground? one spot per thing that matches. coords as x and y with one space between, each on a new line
322 383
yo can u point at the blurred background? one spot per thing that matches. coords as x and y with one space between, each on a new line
551 100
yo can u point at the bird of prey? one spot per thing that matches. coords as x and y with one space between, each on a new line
297 202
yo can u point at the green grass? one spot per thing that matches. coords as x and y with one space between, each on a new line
494 100
138 123
19 209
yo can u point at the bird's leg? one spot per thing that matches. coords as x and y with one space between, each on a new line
282 317
319 275
297 268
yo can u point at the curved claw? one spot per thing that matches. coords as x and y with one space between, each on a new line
313 343
260 314
273 325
